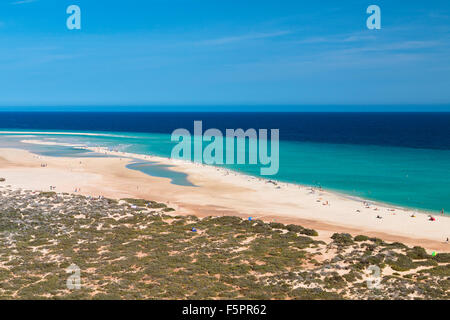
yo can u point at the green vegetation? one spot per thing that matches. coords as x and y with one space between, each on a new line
48 194
360 238
417 253
145 203
401 263
125 252
442 257
342 239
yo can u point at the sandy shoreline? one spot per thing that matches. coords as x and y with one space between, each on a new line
62 133
223 192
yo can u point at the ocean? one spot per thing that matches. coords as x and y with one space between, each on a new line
397 158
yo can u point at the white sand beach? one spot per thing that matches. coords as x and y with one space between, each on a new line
223 192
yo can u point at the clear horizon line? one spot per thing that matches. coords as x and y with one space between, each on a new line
311 108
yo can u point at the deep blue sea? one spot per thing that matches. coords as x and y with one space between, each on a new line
398 158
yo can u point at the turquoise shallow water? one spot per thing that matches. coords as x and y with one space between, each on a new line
158 170
410 177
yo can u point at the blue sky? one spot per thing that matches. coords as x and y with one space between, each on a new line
211 52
